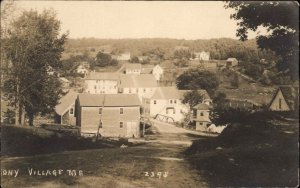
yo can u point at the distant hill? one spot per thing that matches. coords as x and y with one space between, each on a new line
222 48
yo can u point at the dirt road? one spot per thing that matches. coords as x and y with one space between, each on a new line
157 163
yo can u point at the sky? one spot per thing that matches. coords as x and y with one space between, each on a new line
141 19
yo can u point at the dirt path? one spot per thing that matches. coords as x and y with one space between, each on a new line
154 164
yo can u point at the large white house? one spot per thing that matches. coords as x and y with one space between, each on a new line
202 55
157 72
142 84
167 102
99 83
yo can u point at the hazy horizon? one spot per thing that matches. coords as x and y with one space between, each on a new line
193 20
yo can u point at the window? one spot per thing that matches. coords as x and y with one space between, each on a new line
154 102
144 90
121 124
95 87
121 110
175 101
201 123
171 101
174 111
280 101
201 114
72 111
100 124
100 110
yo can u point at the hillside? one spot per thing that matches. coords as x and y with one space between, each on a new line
219 48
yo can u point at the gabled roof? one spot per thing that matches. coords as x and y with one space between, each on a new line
201 106
65 102
231 59
112 100
290 94
133 66
102 76
137 81
173 93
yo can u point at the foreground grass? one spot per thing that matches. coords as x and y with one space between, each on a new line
22 141
93 163
249 155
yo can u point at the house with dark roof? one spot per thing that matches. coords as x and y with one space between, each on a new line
200 116
167 102
133 68
141 85
101 83
286 98
65 110
108 115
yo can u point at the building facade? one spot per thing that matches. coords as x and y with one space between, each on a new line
65 110
167 102
157 71
202 56
108 115
101 83
201 113
133 68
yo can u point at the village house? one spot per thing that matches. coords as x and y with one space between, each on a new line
141 85
65 110
133 68
156 70
109 115
103 82
231 62
166 103
201 114
123 57
201 56
286 98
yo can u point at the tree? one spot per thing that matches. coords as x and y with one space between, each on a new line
32 45
182 54
281 20
134 59
192 98
103 59
194 79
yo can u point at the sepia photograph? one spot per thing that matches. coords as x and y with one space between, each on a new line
149 94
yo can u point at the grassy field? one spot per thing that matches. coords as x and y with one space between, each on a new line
254 154
26 141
